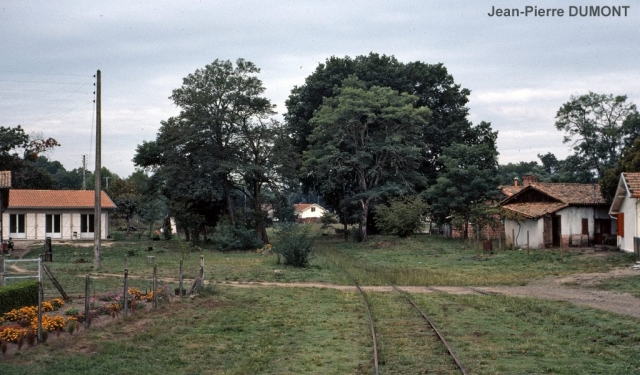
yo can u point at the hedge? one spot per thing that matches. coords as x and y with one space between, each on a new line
17 295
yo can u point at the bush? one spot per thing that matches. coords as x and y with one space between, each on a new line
402 217
227 237
294 244
18 295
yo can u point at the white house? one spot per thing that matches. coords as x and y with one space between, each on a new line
308 212
624 209
556 214
59 214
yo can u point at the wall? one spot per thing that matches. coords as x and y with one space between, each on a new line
629 207
35 225
519 229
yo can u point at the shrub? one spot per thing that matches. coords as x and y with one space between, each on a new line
17 295
227 237
294 244
402 217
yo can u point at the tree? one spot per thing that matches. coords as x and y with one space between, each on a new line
469 180
403 216
595 126
215 101
27 169
431 84
373 134
220 147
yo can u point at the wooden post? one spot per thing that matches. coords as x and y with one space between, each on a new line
125 293
181 276
86 301
126 262
40 297
155 285
202 269
500 240
97 220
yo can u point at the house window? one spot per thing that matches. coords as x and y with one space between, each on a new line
52 223
313 209
87 223
16 223
585 226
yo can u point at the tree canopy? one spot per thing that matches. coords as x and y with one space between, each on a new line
372 136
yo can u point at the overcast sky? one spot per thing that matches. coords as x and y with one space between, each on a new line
520 70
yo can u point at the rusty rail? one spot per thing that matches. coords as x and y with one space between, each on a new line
440 336
373 329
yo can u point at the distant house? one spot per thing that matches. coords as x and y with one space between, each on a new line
555 214
308 212
59 214
624 209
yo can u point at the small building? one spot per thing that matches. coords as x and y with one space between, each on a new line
624 209
556 214
59 214
308 212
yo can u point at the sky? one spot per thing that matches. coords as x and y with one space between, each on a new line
520 69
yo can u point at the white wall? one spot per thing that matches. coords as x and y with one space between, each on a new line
309 214
630 208
519 230
70 223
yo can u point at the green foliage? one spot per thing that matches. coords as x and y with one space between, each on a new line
228 237
596 127
327 219
470 179
384 162
17 295
294 244
402 217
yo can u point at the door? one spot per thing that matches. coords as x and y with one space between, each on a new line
556 230
53 226
548 232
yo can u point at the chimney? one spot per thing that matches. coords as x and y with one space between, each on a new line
529 179
515 182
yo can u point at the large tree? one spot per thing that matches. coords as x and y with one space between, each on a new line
21 154
468 181
594 125
217 144
431 84
374 135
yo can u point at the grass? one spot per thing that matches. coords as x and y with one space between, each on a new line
629 285
265 330
431 260
318 331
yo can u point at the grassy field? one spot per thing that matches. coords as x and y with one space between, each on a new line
267 330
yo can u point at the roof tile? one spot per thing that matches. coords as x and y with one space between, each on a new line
25 198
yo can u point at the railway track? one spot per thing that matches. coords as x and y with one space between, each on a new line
455 365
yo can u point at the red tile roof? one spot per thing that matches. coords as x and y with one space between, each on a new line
632 179
541 198
24 198
301 207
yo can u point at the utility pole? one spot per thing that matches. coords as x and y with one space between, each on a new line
84 172
97 231
107 179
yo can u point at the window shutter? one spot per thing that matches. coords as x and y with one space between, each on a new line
585 226
621 224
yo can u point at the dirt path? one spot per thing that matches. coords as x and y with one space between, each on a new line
550 288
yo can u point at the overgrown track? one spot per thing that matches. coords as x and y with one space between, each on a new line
374 336
433 327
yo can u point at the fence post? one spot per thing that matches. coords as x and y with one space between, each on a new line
40 296
126 262
155 285
125 294
86 301
180 286
202 269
